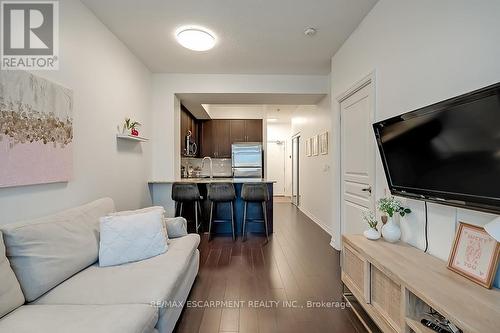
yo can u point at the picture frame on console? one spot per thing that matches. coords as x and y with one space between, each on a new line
474 254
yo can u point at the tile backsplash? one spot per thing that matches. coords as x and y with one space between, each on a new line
221 166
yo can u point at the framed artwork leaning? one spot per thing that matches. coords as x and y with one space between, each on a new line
474 254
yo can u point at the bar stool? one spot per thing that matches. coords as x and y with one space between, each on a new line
221 193
255 193
187 192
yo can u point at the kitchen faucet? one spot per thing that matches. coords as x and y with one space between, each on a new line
211 165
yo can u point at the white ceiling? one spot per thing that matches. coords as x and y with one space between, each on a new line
253 36
275 114
196 102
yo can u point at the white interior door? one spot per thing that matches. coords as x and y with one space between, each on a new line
276 157
357 158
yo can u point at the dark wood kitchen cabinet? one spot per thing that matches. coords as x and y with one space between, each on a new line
218 135
208 145
237 133
188 123
246 130
223 130
253 130
215 138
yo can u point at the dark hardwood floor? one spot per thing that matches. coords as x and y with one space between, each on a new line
297 265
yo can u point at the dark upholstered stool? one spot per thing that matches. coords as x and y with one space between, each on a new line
255 193
221 193
187 192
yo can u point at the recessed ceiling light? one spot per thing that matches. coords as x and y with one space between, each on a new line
195 38
310 31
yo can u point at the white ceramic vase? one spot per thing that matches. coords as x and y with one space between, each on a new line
391 231
372 234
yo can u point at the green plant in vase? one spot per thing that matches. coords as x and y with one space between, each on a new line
131 126
391 206
372 231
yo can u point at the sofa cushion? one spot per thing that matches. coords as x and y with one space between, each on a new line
11 295
144 282
130 318
176 227
48 250
133 237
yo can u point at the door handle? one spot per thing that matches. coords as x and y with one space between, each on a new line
367 189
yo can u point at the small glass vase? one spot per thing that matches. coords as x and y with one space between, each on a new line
391 230
372 233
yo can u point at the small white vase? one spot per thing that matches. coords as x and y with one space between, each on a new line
371 234
391 231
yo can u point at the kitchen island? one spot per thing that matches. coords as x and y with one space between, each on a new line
161 196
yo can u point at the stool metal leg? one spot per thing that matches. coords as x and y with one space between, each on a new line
196 215
180 208
264 211
232 220
176 209
210 222
244 222
199 210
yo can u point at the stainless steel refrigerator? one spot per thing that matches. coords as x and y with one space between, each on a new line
247 160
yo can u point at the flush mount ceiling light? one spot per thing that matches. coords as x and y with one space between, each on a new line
195 38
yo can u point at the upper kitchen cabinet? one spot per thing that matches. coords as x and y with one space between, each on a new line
237 132
208 144
215 138
253 130
217 135
246 130
223 130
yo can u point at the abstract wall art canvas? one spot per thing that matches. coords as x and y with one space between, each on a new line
36 130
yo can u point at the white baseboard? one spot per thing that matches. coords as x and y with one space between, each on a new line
316 220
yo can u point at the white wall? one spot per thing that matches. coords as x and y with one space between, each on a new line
109 84
422 52
315 171
166 151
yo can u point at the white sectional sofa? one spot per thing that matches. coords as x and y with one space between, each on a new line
51 282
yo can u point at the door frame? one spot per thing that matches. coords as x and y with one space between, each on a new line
296 136
369 79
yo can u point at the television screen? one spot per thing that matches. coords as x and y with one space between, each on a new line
447 152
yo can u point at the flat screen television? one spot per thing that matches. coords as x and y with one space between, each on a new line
448 152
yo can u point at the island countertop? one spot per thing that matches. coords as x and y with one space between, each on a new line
206 180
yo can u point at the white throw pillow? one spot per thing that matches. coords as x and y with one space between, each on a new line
134 237
144 210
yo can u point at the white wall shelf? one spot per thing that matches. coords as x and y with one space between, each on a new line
131 137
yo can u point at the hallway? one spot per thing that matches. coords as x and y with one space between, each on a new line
298 266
